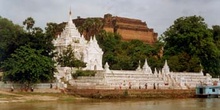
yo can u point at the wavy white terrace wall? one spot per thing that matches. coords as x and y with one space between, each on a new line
140 79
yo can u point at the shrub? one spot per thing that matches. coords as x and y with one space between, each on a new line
84 73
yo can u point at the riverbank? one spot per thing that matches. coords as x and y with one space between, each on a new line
87 94
138 93
38 95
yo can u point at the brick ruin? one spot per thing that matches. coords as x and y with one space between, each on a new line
128 28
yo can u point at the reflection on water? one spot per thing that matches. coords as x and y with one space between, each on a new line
164 104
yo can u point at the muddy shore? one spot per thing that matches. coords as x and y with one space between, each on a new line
87 94
138 93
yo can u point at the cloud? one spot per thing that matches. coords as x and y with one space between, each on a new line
158 14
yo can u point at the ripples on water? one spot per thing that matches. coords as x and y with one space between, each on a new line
164 104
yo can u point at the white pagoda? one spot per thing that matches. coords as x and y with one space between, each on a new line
86 51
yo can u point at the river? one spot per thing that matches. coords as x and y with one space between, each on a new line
156 104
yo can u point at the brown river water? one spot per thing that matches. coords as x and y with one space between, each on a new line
157 104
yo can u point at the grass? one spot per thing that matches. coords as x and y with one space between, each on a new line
61 97
6 96
67 98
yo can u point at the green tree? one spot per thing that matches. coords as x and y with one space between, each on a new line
13 37
110 44
126 55
184 62
54 29
28 66
37 30
191 36
91 27
9 33
29 22
68 59
216 35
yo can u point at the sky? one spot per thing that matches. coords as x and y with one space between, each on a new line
158 14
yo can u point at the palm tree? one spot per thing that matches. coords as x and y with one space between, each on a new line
29 22
91 27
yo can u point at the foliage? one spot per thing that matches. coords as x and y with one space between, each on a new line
29 22
126 55
54 29
14 39
9 32
91 27
67 58
184 62
27 65
216 35
84 73
13 36
189 43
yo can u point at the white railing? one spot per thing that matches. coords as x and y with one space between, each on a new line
39 86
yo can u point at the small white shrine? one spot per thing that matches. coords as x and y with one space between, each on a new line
86 51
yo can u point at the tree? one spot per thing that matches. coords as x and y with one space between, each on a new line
191 36
29 22
9 33
54 29
37 30
68 59
28 66
13 38
126 55
110 44
216 35
90 27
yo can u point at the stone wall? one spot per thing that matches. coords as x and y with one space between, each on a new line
130 29
139 93
129 34
109 29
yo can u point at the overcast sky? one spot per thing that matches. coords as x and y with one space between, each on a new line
158 14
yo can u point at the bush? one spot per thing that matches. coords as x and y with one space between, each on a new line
83 73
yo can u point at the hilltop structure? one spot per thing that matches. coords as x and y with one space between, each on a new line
128 28
86 51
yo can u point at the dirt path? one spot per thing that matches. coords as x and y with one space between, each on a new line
9 93
14 97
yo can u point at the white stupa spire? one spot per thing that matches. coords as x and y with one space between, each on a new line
94 39
107 70
70 23
139 66
146 68
155 71
165 65
145 64
165 69
70 17
90 40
